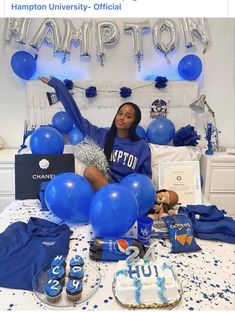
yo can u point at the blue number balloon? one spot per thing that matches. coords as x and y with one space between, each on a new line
190 67
144 190
62 122
113 210
68 196
75 136
23 64
160 131
46 140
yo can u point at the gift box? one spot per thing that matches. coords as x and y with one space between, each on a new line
32 170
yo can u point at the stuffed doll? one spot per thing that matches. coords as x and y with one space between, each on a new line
164 204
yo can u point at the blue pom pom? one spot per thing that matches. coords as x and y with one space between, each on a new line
68 84
125 92
91 92
186 136
161 82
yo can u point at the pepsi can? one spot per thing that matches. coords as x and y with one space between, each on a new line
113 248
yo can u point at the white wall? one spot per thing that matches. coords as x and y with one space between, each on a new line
216 81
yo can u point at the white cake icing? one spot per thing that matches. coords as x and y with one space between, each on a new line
145 283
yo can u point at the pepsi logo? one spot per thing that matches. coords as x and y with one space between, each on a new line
121 245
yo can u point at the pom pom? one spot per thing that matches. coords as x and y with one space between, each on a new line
91 154
68 84
161 82
91 92
125 92
186 136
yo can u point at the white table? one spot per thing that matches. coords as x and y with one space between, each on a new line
207 276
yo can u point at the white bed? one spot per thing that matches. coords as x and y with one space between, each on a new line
207 276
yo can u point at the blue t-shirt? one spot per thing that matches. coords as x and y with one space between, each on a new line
25 248
127 156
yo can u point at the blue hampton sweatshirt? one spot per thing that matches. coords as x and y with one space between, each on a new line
127 156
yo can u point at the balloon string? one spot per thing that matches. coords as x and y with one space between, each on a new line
138 62
167 58
101 60
150 84
113 91
64 59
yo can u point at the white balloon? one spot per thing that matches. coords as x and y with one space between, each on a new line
18 27
161 26
107 34
71 34
137 30
49 32
195 27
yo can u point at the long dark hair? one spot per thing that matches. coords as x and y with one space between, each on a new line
133 136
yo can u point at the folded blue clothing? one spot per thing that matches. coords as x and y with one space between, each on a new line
218 236
26 247
225 225
210 223
203 212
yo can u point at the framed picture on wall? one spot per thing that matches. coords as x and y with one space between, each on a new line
183 177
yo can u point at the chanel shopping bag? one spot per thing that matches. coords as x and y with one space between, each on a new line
32 170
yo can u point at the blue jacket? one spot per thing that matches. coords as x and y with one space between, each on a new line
127 156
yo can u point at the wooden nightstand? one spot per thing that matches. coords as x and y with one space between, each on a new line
218 172
7 176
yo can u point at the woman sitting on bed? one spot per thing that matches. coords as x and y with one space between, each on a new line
125 151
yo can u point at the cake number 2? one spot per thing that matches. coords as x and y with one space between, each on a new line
134 255
55 285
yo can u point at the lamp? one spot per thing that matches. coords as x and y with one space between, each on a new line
198 106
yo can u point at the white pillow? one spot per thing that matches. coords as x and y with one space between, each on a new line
166 153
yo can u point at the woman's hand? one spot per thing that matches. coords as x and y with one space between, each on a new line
44 79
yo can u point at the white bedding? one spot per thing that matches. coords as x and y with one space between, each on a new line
207 276
159 153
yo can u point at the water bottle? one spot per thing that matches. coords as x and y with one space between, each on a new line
113 248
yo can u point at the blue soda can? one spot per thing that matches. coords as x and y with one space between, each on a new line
113 248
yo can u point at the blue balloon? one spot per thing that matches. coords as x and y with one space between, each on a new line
23 64
160 131
46 140
144 190
190 67
113 210
62 122
75 136
68 196
141 132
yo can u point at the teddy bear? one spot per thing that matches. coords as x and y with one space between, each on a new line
164 204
